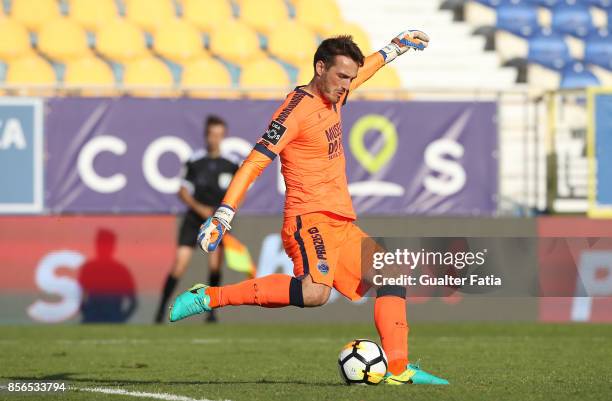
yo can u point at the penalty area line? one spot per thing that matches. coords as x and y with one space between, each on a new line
140 394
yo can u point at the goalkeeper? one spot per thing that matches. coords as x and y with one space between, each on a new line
318 231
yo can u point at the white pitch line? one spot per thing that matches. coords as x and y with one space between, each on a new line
157 396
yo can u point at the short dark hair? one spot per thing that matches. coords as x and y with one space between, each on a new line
213 120
342 45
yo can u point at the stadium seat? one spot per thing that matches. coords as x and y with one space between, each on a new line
21 10
358 34
518 17
224 43
14 39
62 39
305 73
598 49
282 43
263 15
548 49
603 4
148 14
206 14
572 18
30 70
178 40
318 15
546 3
92 14
598 55
120 40
207 72
147 72
383 85
90 71
576 75
264 73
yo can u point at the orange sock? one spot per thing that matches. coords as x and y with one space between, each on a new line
390 320
269 291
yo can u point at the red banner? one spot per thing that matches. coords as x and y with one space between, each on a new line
583 253
96 266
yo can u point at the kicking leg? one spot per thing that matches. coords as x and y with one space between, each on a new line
273 291
307 244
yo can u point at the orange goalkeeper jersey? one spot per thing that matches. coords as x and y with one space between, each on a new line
306 132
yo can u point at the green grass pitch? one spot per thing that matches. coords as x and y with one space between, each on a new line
494 361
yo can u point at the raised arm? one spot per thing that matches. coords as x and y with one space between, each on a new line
251 168
399 45
282 130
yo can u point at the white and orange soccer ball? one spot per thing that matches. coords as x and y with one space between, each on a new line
362 362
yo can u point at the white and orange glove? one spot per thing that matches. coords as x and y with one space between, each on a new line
212 231
403 42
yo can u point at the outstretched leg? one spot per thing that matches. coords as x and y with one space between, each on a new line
272 291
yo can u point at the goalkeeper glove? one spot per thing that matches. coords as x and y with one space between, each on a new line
403 42
211 232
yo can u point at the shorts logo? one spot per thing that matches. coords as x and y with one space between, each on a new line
323 267
275 132
319 245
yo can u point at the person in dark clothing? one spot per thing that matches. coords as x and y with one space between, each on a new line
206 177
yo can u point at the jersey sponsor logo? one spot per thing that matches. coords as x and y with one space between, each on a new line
275 132
334 139
323 267
317 242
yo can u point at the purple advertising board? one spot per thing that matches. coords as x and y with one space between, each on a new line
124 155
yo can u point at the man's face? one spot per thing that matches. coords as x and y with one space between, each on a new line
336 80
214 136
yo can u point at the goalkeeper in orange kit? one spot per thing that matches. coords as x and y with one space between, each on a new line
318 231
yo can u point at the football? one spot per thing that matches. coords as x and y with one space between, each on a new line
362 362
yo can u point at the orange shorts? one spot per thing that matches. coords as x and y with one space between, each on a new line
328 248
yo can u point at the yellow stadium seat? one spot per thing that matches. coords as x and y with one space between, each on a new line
292 42
207 72
385 84
148 14
205 14
149 75
178 41
305 74
45 10
62 39
120 40
31 70
359 36
14 39
92 14
263 15
90 72
319 15
235 42
264 73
